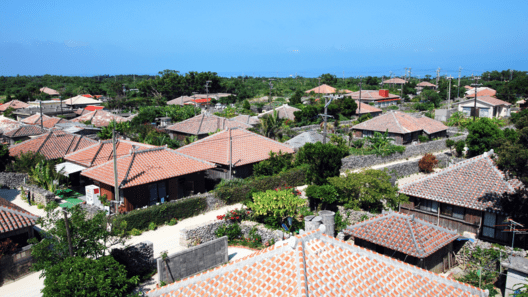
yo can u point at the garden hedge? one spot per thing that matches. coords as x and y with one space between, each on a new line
163 213
236 191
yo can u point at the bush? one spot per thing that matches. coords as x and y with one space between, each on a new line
276 204
163 213
172 222
152 226
135 232
428 163
459 147
482 135
237 190
232 231
326 194
40 206
393 107
278 162
323 160
450 143
423 138
78 276
364 118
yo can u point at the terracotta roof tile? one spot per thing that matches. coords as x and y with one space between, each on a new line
15 104
25 130
7 124
101 152
248 147
487 99
482 91
395 80
100 118
146 166
371 95
401 123
284 112
13 217
366 108
426 84
81 100
403 233
47 122
322 89
314 264
49 91
476 183
205 124
247 119
53 145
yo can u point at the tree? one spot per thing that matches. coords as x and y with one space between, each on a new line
323 160
246 105
513 151
80 276
4 157
45 176
90 237
432 97
427 163
296 98
8 113
25 162
277 162
482 135
347 106
369 189
270 124
327 194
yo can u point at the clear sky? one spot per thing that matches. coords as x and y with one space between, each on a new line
262 37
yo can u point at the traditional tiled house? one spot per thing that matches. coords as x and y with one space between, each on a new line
49 91
367 109
407 239
283 112
53 145
488 107
47 121
202 125
482 91
22 133
246 149
15 223
247 119
15 104
7 124
379 98
100 118
464 196
325 89
81 102
314 264
147 177
401 126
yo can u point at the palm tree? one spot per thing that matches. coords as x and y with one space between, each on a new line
270 125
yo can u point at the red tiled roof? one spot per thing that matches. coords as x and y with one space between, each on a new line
26 130
180 100
248 147
92 107
100 118
395 80
203 100
322 89
82 111
491 100
15 104
371 95
14 217
476 183
48 122
49 91
247 119
483 91
147 166
314 264
7 124
204 124
87 95
426 84
401 123
98 96
403 233
284 112
34 119
468 87
101 152
365 108
53 145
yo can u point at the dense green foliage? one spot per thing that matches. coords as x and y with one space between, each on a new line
482 136
177 113
277 162
45 176
379 144
25 162
369 189
160 214
89 237
323 161
4 157
459 146
80 276
240 190
326 194
484 262
273 207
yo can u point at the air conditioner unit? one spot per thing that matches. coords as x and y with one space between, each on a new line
92 195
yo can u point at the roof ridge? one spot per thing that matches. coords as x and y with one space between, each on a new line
419 248
18 212
398 123
101 144
191 157
44 142
128 170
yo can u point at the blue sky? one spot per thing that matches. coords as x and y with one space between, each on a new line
262 38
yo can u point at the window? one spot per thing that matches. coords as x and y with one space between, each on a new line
367 133
427 205
452 211
466 111
484 112
490 228
157 191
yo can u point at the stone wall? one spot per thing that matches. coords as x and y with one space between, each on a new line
138 259
355 162
16 265
38 195
354 216
462 255
193 260
198 234
12 179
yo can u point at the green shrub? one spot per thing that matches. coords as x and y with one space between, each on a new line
276 204
423 138
459 146
51 206
326 194
450 144
278 162
393 107
152 226
163 213
238 190
364 118
172 222
40 206
232 231
135 232
340 222
323 160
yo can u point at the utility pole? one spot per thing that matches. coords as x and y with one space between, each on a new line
360 85
511 74
459 71
437 75
194 98
476 84
41 120
449 92
116 185
325 115
230 154
67 232
207 89
271 87
410 74
405 76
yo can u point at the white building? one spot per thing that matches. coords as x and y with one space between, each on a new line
488 107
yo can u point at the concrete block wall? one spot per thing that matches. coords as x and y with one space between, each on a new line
193 260
355 162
